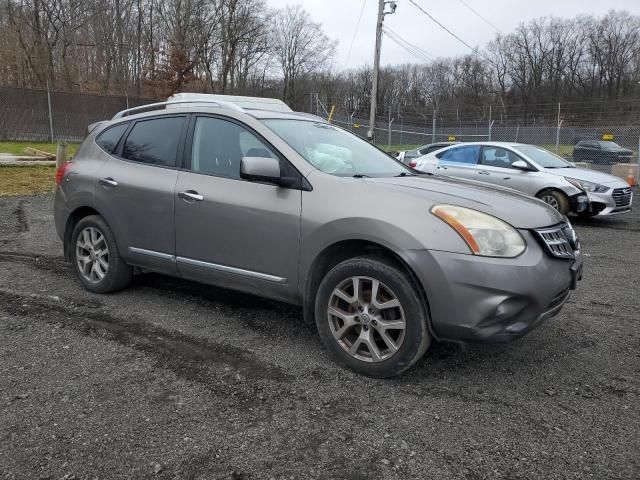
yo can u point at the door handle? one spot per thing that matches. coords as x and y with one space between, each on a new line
506 178
443 168
190 195
483 172
108 182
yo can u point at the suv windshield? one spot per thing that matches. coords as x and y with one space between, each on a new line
543 157
335 151
609 145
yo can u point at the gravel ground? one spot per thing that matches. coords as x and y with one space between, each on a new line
171 379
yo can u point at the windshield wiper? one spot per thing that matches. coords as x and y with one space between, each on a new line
360 175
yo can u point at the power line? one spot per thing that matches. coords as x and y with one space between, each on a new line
355 32
420 50
481 17
408 47
449 31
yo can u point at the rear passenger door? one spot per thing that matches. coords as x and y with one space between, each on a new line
134 191
458 161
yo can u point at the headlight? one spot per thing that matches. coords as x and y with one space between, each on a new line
485 235
586 186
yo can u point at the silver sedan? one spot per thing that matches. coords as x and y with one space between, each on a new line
536 171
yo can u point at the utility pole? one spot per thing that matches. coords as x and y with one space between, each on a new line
376 64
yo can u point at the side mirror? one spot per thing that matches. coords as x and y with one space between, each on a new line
260 169
521 165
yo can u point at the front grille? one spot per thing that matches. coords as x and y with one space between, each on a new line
622 197
555 240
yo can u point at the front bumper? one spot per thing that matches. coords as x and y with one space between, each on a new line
610 203
493 300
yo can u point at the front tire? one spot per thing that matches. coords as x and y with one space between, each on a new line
371 318
555 199
95 257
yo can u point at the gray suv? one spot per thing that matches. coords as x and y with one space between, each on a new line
287 206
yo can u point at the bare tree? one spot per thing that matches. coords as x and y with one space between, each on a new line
299 45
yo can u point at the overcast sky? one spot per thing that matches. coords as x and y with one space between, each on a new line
339 18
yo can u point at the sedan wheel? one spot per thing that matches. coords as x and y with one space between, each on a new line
366 319
550 200
92 254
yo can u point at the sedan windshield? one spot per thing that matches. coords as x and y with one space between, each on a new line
543 157
335 151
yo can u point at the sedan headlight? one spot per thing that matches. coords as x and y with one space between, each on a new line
587 186
485 235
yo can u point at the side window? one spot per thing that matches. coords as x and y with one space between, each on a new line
434 148
461 156
154 141
498 157
219 145
110 137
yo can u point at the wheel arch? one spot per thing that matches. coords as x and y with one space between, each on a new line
342 250
72 220
551 189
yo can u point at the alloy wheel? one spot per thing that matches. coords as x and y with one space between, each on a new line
550 200
92 254
366 319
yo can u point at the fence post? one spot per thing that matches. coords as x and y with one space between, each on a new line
389 139
558 135
490 127
433 127
61 154
50 114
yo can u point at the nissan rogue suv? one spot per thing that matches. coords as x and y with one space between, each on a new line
287 206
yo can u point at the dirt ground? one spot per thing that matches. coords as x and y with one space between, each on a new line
170 379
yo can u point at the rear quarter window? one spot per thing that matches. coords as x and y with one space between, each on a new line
108 139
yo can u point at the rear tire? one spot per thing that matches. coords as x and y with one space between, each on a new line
555 199
95 257
378 336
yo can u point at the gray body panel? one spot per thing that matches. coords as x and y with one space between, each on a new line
223 228
264 239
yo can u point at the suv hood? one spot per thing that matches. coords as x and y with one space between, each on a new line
519 210
587 175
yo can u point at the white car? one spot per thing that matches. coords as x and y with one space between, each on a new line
533 170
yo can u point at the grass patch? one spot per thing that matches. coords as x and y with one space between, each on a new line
17 148
565 151
27 180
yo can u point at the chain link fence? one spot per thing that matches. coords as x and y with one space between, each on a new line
41 115
50 116
601 146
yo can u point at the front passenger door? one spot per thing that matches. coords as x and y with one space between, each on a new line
230 231
495 167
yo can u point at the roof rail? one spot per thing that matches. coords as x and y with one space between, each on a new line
157 106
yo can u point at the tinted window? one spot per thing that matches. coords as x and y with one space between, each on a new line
154 141
219 145
497 157
110 137
467 155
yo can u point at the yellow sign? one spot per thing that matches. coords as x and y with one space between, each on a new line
356 125
607 136
451 138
